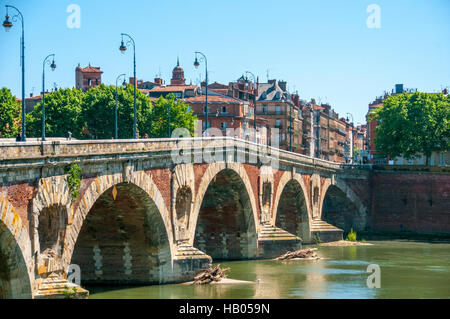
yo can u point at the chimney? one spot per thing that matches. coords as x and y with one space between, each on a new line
31 94
203 84
131 80
282 85
158 81
271 81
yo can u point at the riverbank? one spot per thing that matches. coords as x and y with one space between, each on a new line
227 281
346 243
407 235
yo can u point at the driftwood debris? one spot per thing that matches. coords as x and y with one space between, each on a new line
207 276
302 253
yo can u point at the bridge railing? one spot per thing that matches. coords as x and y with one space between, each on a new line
10 151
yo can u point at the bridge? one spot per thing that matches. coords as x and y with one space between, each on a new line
155 211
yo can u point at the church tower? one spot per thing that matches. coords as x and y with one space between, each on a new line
178 75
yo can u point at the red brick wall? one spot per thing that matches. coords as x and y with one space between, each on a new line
417 202
20 196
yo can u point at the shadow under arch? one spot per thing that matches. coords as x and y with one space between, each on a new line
340 211
292 210
123 239
15 281
225 225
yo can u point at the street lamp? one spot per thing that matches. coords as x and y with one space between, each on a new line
116 129
53 67
8 25
197 64
122 49
254 98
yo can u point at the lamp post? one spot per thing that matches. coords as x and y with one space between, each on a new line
8 25
53 67
197 64
351 137
122 49
254 99
116 129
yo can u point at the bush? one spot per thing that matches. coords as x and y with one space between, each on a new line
351 235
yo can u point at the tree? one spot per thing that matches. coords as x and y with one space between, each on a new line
98 111
62 114
411 124
180 116
9 114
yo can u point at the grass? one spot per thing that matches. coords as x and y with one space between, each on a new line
351 235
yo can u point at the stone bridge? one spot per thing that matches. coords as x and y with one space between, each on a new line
156 211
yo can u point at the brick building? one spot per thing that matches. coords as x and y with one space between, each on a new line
226 113
275 105
88 77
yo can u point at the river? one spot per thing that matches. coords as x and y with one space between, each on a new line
408 270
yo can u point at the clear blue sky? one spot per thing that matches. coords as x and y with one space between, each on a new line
324 49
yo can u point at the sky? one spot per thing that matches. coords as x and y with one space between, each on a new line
324 49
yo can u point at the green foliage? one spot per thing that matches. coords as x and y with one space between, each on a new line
98 111
413 123
90 115
351 235
62 114
180 116
73 179
9 114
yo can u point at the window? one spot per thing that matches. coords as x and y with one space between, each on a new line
264 109
223 126
277 123
204 109
89 82
224 109
278 109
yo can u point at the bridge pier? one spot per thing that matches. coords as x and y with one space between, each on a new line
274 241
188 260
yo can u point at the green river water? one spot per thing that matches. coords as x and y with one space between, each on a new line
408 270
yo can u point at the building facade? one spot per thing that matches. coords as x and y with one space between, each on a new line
88 77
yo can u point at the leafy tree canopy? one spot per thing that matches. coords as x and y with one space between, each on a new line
413 123
62 114
90 115
180 116
9 114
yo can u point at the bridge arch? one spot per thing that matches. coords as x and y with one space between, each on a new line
147 222
16 266
341 207
292 216
225 207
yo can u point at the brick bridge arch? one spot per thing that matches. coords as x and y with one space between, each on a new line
287 179
238 170
16 265
96 188
347 206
